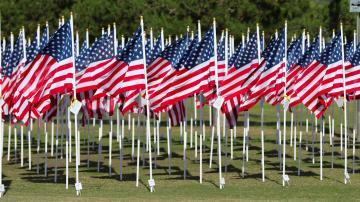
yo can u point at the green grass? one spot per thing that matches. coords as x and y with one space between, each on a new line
24 185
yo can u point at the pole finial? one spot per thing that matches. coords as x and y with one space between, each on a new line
141 17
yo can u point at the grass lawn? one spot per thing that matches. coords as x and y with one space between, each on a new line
24 185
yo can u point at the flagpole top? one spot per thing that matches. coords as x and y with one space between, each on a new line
62 17
257 24
286 22
141 17
162 29
87 29
71 13
47 23
214 20
114 23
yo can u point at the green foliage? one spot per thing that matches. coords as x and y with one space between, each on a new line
175 15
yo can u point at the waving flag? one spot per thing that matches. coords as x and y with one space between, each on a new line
232 89
268 78
318 78
50 73
352 73
99 60
15 63
310 55
294 54
193 77
163 71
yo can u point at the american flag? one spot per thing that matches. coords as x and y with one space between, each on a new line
15 63
310 55
268 78
232 89
50 73
31 52
128 74
317 79
164 69
99 59
352 73
211 93
294 54
193 77
177 113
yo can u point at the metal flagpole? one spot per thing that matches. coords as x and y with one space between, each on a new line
22 127
9 136
221 179
151 180
78 185
346 175
285 177
262 108
201 118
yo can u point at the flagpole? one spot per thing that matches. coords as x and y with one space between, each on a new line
9 136
151 180
78 185
262 108
284 133
213 126
201 117
221 179
21 127
346 175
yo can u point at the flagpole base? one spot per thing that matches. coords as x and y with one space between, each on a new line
152 185
2 190
286 180
222 183
78 188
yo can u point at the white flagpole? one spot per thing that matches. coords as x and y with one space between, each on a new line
9 136
78 185
345 112
221 179
22 127
151 180
284 133
262 108
212 136
110 117
201 118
